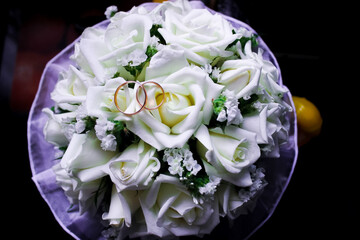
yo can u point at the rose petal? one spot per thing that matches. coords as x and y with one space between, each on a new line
168 60
83 152
258 125
116 210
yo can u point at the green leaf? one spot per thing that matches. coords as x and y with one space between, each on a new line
193 183
150 52
117 74
103 189
243 41
219 104
63 148
118 127
58 110
135 70
124 137
90 123
154 32
246 106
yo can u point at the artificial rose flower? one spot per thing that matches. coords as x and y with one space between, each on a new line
228 153
268 126
125 35
83 163
84 158
64 180
240 76
100 52
188 103
71 88
87 54
198 31
53 131
234 201
135 167
84 194
170 209
181 7
229 200
269 73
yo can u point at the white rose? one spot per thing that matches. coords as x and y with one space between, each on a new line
228 154
169 209
198 31
85 194
84 158
135 167
229 200
100 51
134 10
188 103
268 127
64 180
127 32
88 52
234 201
127 38
269 73
240 76
180 7
71 88
83 162
53 131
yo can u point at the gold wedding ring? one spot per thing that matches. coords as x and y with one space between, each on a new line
117 91
142 105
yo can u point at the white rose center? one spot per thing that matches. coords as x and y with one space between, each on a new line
127 169
171 111
240 154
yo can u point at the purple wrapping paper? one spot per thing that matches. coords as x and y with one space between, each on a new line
41 154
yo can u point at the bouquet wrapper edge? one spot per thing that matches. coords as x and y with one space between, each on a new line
87 227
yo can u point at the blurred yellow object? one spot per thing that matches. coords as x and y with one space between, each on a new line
159 1
308 118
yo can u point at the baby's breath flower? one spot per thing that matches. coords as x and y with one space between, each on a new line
110 11
103 131
215 73
80 126
102 127
135 58
180 160
229 109
207 68
175 165
108 143
68 127
210 187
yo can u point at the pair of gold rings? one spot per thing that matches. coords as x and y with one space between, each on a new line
145 101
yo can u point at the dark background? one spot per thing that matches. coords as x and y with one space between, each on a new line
321 200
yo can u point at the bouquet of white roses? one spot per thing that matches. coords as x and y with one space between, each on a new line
160 121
